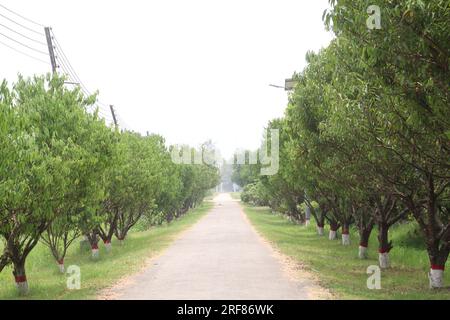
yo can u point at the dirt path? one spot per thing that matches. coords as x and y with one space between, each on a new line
221 257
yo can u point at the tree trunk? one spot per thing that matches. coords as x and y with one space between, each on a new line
364 236
319 216
332 235
93 240
169 217
94 251
436 277
20 276
4 260
110 227
320 224
436 233
298 215
385 245
333 230
59 257
438 257
345 235
307 216
438 239
61 267
108 245
320 230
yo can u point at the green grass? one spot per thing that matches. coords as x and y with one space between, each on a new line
211 196
46 282
339 268
235 195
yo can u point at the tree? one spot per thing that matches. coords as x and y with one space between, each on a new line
96 142
145 181
284 193
36 168
244 174
406 97
314 152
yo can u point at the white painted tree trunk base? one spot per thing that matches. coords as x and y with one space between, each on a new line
307 223
383 259
345 239
320 231
362 254
61 267
436 278
121 242
332 235
108 246
22 287
95 254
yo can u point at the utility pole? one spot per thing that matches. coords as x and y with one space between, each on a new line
113 114
51 51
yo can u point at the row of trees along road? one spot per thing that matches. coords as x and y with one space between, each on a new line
365 140
65 174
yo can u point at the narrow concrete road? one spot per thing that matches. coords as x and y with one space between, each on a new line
221 257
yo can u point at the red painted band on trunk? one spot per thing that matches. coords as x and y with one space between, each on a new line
334 230
21 279
320 225
107 242
345 232
383 251
364 245
61 261
94 247
436 267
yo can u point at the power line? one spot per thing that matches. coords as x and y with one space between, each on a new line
66 66
103 110
19 15
82 89
21 34
61 51
62 65
64 60
121 121
21 25
26 54
24 45
102 113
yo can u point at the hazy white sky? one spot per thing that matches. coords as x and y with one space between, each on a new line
189 70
